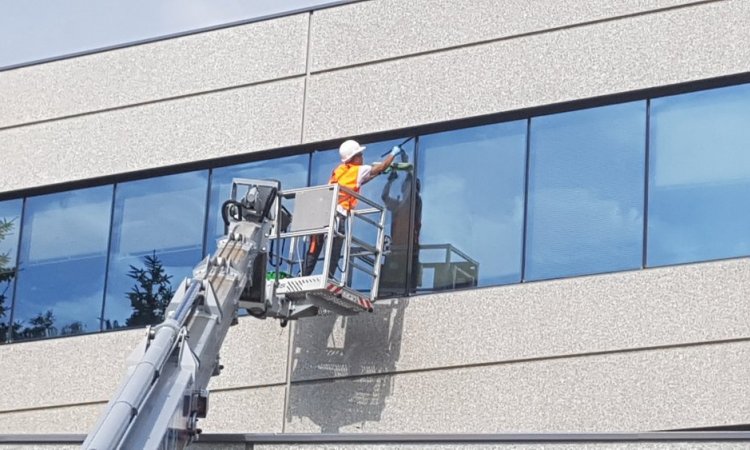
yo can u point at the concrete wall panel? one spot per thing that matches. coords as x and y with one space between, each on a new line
72 419
64 371
606 58
161 134
371 31
197 63
258 410
253 354
647 308
89 368
631 391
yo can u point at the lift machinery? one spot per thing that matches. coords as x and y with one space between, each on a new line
164 392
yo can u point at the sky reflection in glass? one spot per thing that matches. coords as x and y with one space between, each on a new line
63 254
393 192
290 171
10 212
159 216
473 194
699 179
586 181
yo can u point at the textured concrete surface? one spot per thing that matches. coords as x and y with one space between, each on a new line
586 446
253 354
224 58
632 391
258 410
370 31
219 446
64 371
71 419
39 447
611 57
161 134
655 307
89 368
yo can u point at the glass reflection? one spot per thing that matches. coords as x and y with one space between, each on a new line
157 237
10 222
60 283
290 171
473 194
586 181
699 178
392 190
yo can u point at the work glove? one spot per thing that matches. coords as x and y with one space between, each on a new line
396 150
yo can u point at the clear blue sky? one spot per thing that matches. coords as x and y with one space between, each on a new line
36 29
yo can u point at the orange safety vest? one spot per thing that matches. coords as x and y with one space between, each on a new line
346 175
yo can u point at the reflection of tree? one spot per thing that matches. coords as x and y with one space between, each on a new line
6 277
73 328
43 325
151 294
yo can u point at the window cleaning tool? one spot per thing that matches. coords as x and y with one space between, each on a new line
404 165
401 144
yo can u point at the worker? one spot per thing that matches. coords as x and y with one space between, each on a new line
352 173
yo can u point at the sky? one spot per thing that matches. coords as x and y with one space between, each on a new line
31 30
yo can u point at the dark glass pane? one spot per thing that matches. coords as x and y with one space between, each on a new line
156 241
586 181
10 222
63 257
290 171
699 180
473 197
392 190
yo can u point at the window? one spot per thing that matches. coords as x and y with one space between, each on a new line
157 236
472 193
290 171
699 181
10 222
392 190
60 283
586 183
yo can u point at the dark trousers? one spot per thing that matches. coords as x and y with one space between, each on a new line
316 246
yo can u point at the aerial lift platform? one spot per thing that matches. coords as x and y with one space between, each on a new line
164 392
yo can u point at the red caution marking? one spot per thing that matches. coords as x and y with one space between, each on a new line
360 301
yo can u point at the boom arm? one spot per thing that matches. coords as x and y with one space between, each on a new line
164 391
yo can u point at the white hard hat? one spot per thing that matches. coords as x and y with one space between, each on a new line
349 149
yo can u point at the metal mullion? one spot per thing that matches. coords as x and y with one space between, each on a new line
206 215
109 256
12 316
527 176
644 260
412 219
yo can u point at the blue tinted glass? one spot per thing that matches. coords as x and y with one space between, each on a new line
586 182
393 191
63 258
290 171
10 221
157 233
472 189
699 179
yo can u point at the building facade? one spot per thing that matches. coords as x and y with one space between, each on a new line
573 236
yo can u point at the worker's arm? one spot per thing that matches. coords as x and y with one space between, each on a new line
378 168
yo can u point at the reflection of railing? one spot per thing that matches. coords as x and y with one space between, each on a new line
454 270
